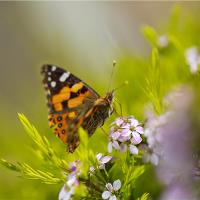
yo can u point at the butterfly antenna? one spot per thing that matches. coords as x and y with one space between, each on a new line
111 76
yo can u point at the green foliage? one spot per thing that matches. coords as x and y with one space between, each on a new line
30 173
44 148
145 196
9 165
150 34
153 88
150 79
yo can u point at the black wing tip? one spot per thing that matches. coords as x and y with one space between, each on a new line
46 67
49 67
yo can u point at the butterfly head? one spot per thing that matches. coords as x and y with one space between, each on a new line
109 98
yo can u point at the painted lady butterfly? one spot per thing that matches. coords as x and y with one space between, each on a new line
73 104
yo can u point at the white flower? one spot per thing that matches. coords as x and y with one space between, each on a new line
163 41
102 160
133 149
66 193
111 190
72 181
150 155
193 58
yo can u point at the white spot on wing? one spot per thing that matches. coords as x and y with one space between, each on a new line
49 78
53 84
49 73
53 68
64 76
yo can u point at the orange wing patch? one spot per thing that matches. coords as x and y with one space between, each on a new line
77 87
72 115
57 99
59 123
64 95
72 103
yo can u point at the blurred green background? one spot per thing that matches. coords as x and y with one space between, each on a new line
83 37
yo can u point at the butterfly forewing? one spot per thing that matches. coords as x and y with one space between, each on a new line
69 99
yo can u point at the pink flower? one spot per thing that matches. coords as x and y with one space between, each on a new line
125 132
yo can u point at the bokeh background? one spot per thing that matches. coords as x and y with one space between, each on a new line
83 37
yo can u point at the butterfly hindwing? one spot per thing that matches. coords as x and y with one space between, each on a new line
69 99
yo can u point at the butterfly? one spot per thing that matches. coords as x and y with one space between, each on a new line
73 104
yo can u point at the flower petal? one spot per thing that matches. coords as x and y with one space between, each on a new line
119 121
110 147
71 180
106 195
123 147
133 149
98 156
126 125
124 138
125 132
105 159
109 187
65 193
154 159
91 169
134 122
139 129
117 185
116 145
113 197
115 135
136 139
102 166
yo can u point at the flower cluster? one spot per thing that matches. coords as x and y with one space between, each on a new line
125 132
175 169
111 191
193 58
72 181
153 151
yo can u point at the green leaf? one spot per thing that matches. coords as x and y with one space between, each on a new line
45 177
150 34
9 165
28 172
134 174
154 57
145 196
83 137
153 88
42 143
